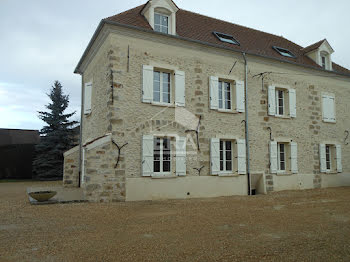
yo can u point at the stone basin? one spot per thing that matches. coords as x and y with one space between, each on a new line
43 196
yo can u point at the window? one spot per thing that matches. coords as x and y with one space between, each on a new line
226 38
328 157
284 52
161 23
161 156
225 101
280 102
226 156
281 157
328 108
323 62
161 87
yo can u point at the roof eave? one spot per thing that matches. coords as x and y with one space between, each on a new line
104 21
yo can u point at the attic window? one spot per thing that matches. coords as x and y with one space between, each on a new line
284 52
226 38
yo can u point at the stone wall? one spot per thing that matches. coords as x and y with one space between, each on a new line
71 168
103 180
121 112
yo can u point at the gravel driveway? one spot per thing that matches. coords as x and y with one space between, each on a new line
287 226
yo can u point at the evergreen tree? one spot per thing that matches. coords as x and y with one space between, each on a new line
56 136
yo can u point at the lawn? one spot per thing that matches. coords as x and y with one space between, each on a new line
309 225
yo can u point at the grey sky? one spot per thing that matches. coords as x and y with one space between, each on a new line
42 41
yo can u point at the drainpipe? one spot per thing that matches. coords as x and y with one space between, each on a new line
246 124
81 131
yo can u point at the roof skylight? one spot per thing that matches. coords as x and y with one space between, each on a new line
226 38
284 52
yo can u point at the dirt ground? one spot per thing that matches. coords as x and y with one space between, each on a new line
287 226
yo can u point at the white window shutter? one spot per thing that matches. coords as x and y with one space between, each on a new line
294 157
331 102
325 113
215 156
147 84
241 158
214 92
272 100
180 86
273 157
181 156
292 103
87 98
339 160
323 166
147 155
240 97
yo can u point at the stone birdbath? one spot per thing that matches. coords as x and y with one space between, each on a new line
42 196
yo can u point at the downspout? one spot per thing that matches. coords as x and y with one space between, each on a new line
246 124
81 131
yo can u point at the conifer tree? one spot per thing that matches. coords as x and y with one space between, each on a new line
56 136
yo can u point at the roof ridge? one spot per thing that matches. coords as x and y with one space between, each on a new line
250 28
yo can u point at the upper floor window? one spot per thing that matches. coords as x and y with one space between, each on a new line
225 96
161 23
328 108
282 102
161 87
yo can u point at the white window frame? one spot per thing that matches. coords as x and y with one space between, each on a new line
160 25
224 171
161 160
278 90
223 93
161 102
279 170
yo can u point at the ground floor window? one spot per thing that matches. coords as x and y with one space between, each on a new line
281 156
162 155
226 156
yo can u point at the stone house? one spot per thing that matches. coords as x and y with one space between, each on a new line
180 105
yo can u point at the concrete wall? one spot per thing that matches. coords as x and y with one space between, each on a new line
128 119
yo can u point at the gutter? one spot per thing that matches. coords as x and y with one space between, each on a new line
246 125
108 22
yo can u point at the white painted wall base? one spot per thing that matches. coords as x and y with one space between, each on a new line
335 180
293 182
139 189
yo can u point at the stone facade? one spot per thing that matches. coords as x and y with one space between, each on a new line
71 168
117 109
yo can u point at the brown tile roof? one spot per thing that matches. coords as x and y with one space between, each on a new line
313 46
199 27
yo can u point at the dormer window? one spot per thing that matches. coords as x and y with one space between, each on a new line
161 15
323 62
226 38
161 23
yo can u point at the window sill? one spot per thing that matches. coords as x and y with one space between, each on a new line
163 176
227 111
283 117
329 121
163 104
331 173
286 173
228 175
